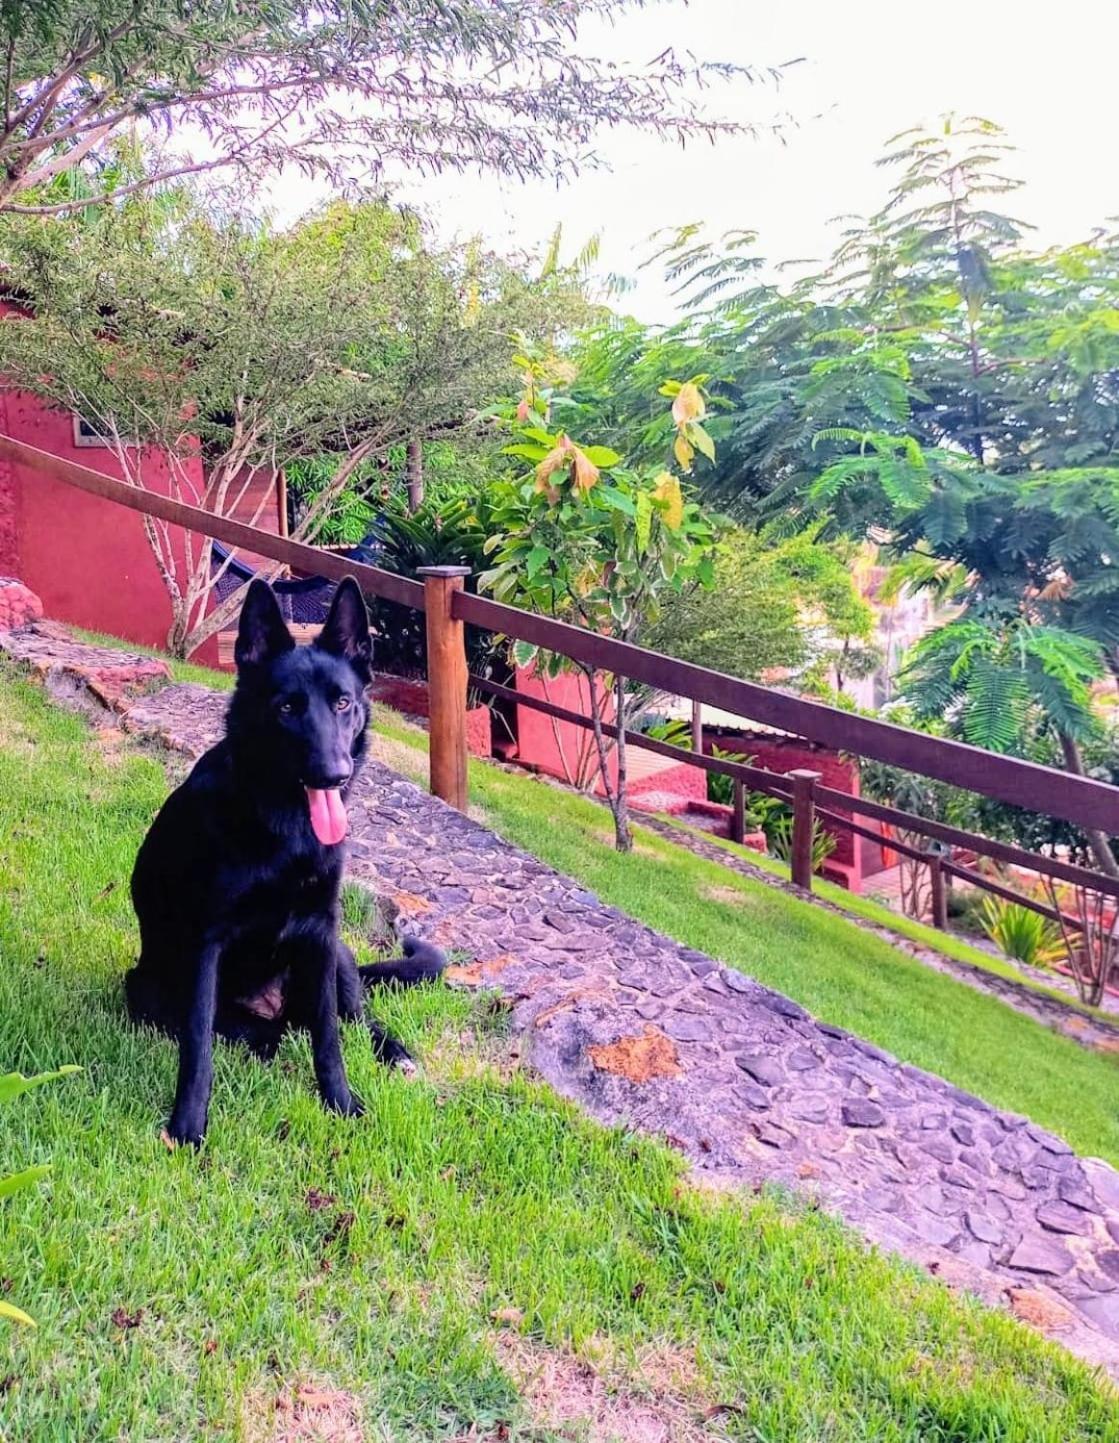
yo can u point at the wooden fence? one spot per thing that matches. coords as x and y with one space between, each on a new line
448 608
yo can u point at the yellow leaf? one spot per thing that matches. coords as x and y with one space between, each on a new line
688 405
667 492
17 1315
684 451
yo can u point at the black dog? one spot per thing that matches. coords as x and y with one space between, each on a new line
236 885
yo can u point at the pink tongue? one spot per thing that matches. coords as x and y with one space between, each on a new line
328 815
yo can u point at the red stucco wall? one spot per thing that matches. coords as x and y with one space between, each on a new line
854 857
558 748
88 559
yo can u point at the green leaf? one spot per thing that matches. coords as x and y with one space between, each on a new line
524 653
14 1084
601 455
644 521
529 452
615 498
17 1315
701 440
537 557
19 1180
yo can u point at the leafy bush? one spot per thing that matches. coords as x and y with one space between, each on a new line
1021 933
779 835
13 1085
450 528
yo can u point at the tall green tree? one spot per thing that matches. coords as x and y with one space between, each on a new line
344 90
237 349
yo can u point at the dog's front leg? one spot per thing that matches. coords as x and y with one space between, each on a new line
196 1054
315 972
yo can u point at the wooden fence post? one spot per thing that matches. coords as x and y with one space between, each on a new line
446 684
938 891
804 826
738 819
697 728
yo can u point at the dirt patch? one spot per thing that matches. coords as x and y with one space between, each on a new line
639 1059
477 974
564 1392
1039 1310
305 1413
726 894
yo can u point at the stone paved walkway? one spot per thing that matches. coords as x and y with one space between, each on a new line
642 1031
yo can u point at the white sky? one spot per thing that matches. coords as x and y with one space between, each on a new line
1045 72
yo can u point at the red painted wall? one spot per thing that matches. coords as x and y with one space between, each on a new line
88 559
854 857
556 747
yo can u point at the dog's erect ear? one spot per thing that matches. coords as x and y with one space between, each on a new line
346 632
261 635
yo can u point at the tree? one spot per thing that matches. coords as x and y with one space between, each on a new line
602 551
953 396
236 350
346 90
789 606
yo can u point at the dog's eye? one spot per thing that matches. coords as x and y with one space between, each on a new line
343 704
286 708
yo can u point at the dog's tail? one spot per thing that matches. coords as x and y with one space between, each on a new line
421 963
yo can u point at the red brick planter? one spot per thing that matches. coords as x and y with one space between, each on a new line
409 696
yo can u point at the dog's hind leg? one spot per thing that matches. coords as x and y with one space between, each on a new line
351 1000
150 1001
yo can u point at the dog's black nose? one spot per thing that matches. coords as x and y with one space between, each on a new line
330 781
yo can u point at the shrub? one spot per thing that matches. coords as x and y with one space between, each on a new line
1021 933
778 829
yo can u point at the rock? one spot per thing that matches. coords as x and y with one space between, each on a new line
862 1113
932 1122
1051 1143
753 1096
938 1147
1078 1195
800 1059
971 1157
935 1230
958 1177
810 1109
772 1135
783 1006
985 1228
1059 1217
766 1070
737 983
687 1028
1034 1255
1109 1263
964 1133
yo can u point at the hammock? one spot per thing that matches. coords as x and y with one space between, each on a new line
304 602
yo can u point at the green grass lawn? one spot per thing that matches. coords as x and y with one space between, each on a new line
841 972
179 1294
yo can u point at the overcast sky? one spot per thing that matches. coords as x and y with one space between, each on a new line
871 68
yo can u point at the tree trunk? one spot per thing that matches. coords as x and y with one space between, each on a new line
415 474
623 837
1097 841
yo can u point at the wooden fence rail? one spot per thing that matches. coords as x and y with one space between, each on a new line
1081 801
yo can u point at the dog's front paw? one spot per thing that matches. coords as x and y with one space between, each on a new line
183 1131
345 1104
